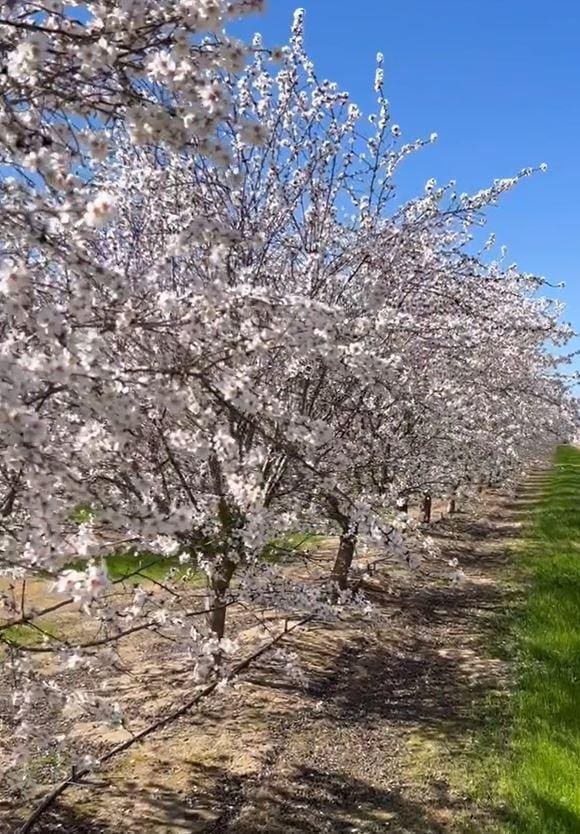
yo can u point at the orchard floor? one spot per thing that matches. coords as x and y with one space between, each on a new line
364 742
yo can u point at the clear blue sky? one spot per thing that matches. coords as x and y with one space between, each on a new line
498 81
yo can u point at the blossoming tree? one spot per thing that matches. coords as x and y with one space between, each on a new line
219 329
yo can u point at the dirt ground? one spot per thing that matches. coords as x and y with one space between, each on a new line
342 748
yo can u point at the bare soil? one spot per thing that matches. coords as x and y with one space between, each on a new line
353 745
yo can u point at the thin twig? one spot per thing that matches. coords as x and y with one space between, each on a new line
33 615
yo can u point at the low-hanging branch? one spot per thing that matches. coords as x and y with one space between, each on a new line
171 716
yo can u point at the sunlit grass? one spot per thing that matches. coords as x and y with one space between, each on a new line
153 566
27 634
528 746
288 546
541 781
134 568
157 567
517 759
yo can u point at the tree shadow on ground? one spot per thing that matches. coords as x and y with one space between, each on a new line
422 669
309 801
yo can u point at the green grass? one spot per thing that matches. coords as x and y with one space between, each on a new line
156 567
286 547
28 635
149 566
541 782
527 748
512 764
136 567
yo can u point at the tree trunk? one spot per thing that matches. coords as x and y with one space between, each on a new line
452 505
426 509
343 560
219 584
219 581
346 546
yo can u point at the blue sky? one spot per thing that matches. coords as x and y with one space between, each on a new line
498 81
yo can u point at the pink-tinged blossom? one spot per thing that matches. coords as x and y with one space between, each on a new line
82 586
